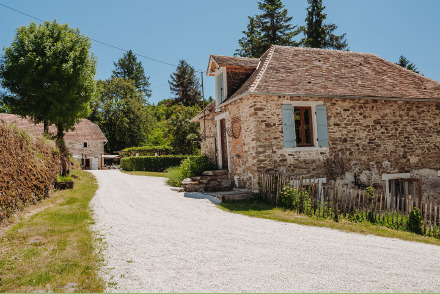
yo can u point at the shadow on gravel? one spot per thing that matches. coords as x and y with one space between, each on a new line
198 195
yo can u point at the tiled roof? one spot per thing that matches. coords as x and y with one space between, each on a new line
85 130
308 71
236 61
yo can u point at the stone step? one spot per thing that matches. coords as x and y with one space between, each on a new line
219 172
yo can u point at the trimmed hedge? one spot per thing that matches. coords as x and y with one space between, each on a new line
195 165
146 151
151 163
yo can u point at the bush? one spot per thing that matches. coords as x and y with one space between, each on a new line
174 176
195 165
146 151
415 221
151 163
294 199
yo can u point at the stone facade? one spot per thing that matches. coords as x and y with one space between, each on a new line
371 137
94 149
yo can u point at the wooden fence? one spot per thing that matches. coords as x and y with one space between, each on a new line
318 198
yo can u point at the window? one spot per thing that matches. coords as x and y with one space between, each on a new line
85 145
303 126
220 84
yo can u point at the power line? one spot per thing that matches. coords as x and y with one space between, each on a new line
97 41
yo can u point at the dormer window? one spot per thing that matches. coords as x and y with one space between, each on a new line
220 85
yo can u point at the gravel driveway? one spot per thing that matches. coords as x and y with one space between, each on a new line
160 241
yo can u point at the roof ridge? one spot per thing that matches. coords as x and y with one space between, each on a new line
266 60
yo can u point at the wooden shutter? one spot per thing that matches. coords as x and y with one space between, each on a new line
288 126
321 122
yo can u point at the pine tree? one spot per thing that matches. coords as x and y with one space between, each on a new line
250 43
320 35
128 67
271 27
404 62
185 85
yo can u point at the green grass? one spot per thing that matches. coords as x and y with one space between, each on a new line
146 173
53 249
260 209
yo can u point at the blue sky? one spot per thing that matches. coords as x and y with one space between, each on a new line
192 30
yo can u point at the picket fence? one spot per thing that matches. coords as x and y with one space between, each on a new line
330 201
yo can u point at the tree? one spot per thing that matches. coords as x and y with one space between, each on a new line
404 62
271 27
320 35
48 72
128 67
185 85
120 112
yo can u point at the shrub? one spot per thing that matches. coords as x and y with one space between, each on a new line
174 176
291 198
195 165
415 221
146 151
151 163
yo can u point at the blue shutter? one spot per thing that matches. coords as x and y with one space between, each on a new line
321 122
288 126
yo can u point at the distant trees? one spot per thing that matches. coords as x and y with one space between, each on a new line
185 85
49 73
272 26
128 67
320 35
404 62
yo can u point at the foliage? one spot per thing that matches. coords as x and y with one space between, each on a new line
185 85
146 150
320 35
49 72
180 133
128 67
415 221
271 27
195 165
120 112
404 62
151 163
61 178
295 199
174 175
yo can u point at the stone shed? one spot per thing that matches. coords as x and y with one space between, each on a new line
352 118
85 143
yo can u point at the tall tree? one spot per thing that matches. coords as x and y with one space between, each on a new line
272 26
185 85
120 112
404 62
128 67
320 35
48 72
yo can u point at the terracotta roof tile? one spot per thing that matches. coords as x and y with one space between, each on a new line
293 70
236 61
85 130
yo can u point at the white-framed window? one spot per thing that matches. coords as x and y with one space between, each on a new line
304 125
220 86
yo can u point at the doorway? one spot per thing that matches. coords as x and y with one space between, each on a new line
223 144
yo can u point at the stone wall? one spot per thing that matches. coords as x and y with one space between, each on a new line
373 137
94 149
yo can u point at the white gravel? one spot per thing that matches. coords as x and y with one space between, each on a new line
160 241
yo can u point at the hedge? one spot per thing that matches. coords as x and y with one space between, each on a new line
151 163
146 151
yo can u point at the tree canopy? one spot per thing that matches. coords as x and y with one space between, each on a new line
272 26
128 67
185 85
320 35
48 72
404 62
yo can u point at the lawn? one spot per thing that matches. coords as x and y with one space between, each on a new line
50 247
255 208
146 173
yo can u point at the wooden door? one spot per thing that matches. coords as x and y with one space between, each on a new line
223 144
87 164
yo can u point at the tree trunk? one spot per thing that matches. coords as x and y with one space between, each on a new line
64 154
46 127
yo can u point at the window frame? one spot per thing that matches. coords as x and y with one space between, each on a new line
303 126
315 145
220 99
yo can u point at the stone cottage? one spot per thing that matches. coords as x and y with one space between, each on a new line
348 117
85 143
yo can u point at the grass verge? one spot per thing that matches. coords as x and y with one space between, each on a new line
146 173
255 208
50 247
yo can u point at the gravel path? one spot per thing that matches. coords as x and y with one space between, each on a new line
160 241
